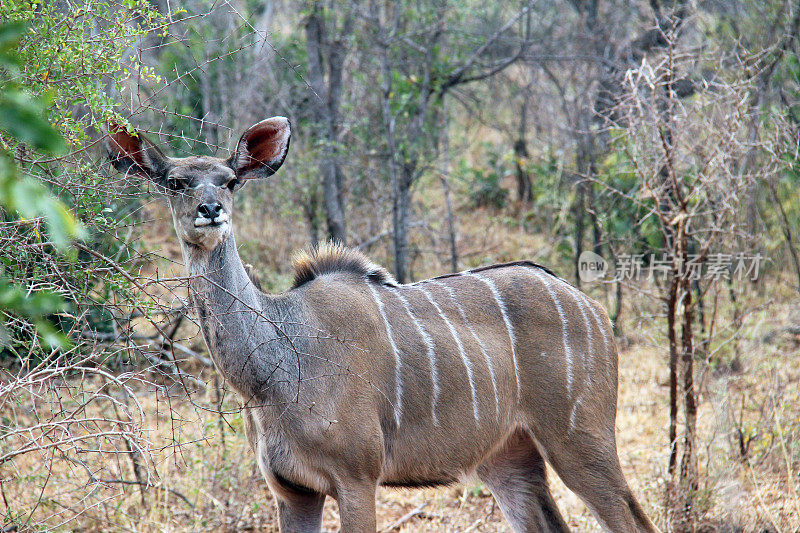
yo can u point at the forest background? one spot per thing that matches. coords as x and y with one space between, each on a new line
434 136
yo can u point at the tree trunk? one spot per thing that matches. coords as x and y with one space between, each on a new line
320 45
597 235
389 123
334 214
521 154
688 473
448 201
617 316
401 176
310 208
586 146
705 335
401 207
672 302
579 211
786 227
451 225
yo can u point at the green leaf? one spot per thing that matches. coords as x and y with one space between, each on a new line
22 118
10 34
50 336
61 225
35 307
31 199
36 304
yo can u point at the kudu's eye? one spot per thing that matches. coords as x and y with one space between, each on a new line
231 183
176 184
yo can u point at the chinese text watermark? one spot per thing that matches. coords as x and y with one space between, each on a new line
633 267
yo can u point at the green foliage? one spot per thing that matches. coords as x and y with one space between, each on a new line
21 118
546 177
789 180
75 57
58 78
437 42
484 184
36 307
623 219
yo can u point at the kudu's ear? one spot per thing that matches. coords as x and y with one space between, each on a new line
262 149
134 153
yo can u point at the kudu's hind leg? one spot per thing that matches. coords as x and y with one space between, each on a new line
588 464
516 476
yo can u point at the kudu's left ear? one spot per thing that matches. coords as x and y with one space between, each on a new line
262 149
134 153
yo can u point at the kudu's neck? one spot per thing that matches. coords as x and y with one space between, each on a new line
218 276
236 319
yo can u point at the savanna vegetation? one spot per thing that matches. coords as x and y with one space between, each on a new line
660 135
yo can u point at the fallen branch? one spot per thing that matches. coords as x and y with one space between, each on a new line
405 518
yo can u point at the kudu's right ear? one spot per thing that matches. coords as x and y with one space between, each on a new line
261 149
135 154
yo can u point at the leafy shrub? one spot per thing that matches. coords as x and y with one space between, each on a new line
63 70
484 184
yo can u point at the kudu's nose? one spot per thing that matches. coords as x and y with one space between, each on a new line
210 210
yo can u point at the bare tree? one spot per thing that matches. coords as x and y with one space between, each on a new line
327 47
417 55
685 155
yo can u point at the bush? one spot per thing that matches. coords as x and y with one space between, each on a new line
484 184
69 66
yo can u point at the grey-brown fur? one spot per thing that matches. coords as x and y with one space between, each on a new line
330 258
350 381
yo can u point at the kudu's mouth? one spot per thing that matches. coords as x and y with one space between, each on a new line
203 222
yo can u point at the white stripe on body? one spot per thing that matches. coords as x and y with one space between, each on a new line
489 363
574 413
509 327
597 322
431 354
588 364
564 328
583 302
398 407
588 356
607 343
464 358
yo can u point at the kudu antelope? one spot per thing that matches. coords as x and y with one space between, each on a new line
350 380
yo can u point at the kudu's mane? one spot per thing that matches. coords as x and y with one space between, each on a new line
329 258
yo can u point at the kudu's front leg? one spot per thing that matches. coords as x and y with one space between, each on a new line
357 506
300 512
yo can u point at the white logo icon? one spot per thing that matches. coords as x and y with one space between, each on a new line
591 266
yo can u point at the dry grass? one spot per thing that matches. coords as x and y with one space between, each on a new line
204 477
